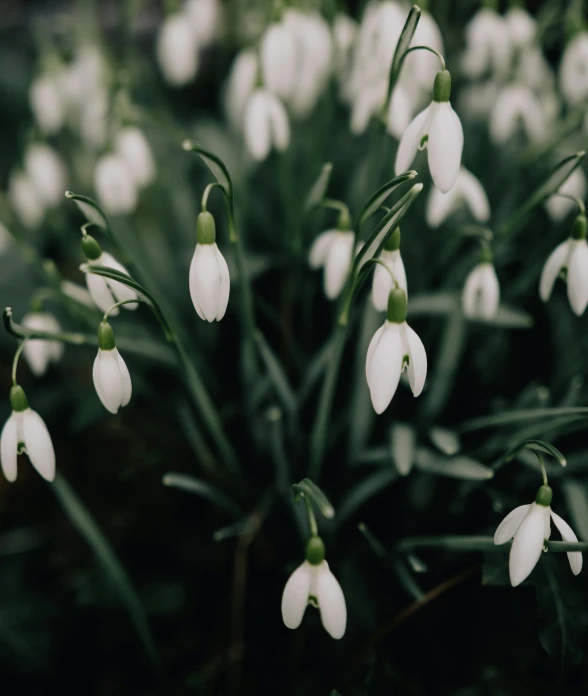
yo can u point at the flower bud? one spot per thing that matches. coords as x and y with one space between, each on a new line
396 306
18 399
579 227
105 336
442 86
91 248
315 550
393 241
544 496
205 228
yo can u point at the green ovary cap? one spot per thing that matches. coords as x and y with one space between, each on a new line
315 550
393 241
344 221
18 399
205 229
544 496
579 227
105 336
396 306
91 248
442 86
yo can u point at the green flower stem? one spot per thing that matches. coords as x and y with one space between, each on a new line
477 543
578 201
543 472
206 194
423 48
15 361
120 304
311 516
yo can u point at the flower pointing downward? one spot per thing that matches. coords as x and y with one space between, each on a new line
383 281
481 291
437 128
333 249
110 373
313 583
530 526
394 347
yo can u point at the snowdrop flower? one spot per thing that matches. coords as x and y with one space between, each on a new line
25 431
76 292
530 526
277 55
46 171
399 112
47 103
333 249
559 207
240 85
25 200
521 27
210 283
467 191
177 50
205 17
104 291
517 107
313 583
93 118
115 184
481 292
266 124
344 34
132 146
37 352
437 128
573 71
394 347
110 373
570 256
384 279
488 45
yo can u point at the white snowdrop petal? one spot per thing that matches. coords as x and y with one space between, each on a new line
257 126
295 595
279 124
100 293
127 387
555 262
9 447
277 51
381 286
108 380
399 270
417 361
192 281
445 146
338 263
410 141
568 534
510 524
474 195
177 50
440 205
225 285
578 277
38 444
469 296
528 544
121 291
371 348
331 602
385 367
207 281
133 147
490 292
320 248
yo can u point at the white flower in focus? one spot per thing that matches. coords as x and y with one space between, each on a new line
488 45
575 185
313 583
266 125
481 292
522 28
131 144
38 352
112 380
518 107
25 200
210 283
394 347
104 291
47 103
333 249
26 432
277 56
206 19
177 50
115 184
437 128
467 191
570 257
46 171
384 278
240 85
573 71
530 526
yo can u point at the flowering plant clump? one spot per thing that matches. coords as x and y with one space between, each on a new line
300 293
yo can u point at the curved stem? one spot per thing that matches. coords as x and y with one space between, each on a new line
578 201
206 194
334 204
381 263
425 48
542 465
15 361
311 516
138 300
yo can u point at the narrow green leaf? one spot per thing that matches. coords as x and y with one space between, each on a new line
401 47
507 418
314 493
380 196
214 163
113 568
510 318
454 467
277 376
368 488
533 445
90 210
193 485
318 189
577 499
432 305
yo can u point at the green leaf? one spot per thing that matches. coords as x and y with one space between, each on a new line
277 376
577 500
362 492
314 493
90 210
533 445
380 196
318 189
401 47
193 485
510 318
214 163
507 418
454 467
113 568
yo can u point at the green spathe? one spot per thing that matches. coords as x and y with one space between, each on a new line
544 496
396 306
205 229
579 227
393 241
91 248
105 336
442 86
315 550
18 399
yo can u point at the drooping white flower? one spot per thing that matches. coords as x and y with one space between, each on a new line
210 282
46 171
437 128
47 103
467 191
394 347
570 256
240 85
333 249
206 19
104 291
177 50
530 526
481 292
26 432
93 118
131 144
115 184
488 45
112 380
559 207
38 352
344 34
25 200
522 28
518 107
266 125
277 56
573 71
76 292
384 280
313 583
